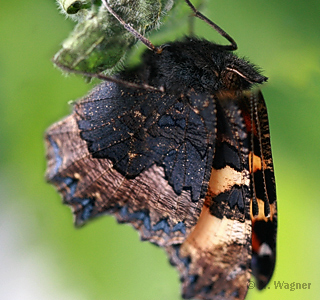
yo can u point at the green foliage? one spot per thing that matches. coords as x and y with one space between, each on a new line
99 42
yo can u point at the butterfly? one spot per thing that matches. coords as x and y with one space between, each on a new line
183 154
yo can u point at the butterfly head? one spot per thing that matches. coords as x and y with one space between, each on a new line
200 65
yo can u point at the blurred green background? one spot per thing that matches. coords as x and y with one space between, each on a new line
42 256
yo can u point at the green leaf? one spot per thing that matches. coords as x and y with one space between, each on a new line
99 42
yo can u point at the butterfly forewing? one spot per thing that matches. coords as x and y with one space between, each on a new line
264 222
136 129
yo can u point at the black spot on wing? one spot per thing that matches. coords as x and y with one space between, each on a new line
259 185
227 155
232 150
230 204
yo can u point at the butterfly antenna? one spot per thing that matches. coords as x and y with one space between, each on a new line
233 45
132 30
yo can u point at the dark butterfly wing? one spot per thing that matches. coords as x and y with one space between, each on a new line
93 187
136 129
214 261
264 221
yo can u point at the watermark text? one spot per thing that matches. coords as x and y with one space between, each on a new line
282 285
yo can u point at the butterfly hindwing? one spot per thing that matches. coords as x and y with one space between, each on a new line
93 187
109 123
